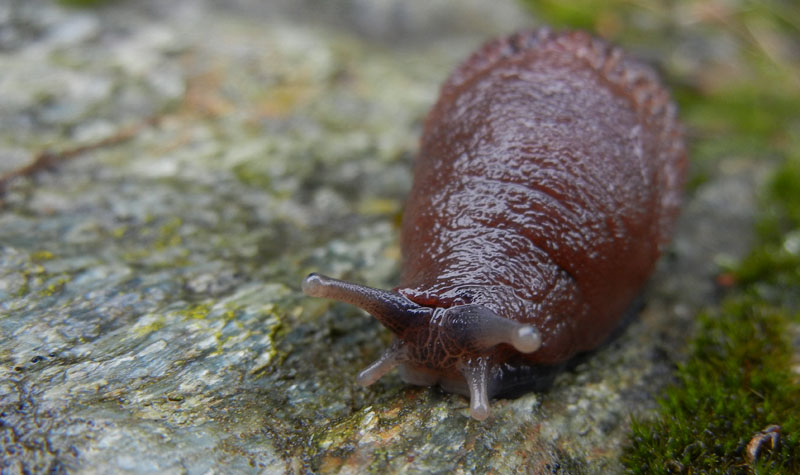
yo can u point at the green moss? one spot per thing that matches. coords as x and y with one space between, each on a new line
253 173
744 109
169 234
150 327
773 268
783 215
32 276
82 3
41 256
736 382
54 287
583 14
196 312
728 113
738 377
119 231
24 289
229 315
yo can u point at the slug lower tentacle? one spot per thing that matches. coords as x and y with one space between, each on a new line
388 360
547 184
476 372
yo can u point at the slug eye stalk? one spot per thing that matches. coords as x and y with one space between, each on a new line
478 328
394 311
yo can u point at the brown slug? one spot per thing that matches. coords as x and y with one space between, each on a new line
548 180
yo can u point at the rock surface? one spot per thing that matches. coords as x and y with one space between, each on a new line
150 312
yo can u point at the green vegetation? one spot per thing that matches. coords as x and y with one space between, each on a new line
197 312
82 3
736 383
738 377
730 67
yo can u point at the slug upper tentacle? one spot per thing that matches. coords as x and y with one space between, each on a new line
481 329
547 183
393 310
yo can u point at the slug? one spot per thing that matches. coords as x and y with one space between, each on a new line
547 184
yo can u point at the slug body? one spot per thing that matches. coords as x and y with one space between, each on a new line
547 184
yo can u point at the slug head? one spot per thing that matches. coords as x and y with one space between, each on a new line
450 346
